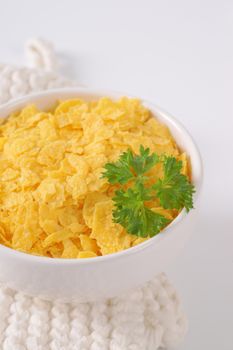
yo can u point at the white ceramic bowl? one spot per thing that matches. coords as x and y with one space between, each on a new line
106 276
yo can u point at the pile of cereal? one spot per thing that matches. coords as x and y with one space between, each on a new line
53 200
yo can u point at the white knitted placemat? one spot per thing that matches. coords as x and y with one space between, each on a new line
148 318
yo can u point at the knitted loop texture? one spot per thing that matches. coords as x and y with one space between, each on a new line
147 318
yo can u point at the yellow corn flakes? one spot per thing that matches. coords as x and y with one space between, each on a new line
110 236
53 200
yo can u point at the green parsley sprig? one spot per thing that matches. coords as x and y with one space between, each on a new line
174 191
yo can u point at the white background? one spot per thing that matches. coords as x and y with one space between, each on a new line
178 54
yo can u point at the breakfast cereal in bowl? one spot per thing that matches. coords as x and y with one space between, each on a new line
88 178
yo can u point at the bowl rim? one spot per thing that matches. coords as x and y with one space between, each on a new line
11 105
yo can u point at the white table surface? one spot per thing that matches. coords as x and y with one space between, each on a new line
178 54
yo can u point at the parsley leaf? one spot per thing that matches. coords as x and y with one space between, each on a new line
129 165
119 172
131 212
144 161
174 190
